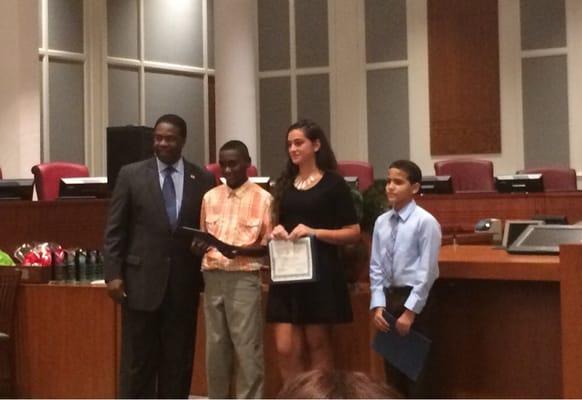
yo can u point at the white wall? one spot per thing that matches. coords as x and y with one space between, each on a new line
349 85
19 88
511 157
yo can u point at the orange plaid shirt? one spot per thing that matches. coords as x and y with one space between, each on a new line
239 217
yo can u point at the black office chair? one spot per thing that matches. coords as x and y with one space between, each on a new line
9 281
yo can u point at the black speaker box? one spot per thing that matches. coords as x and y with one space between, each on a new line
125 145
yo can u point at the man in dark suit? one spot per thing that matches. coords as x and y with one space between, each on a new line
150 271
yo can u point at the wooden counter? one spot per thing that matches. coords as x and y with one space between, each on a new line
486 262
507 325
497 329
82 222
459 212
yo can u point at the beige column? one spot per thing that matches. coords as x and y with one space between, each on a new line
235 52
348 80
20 88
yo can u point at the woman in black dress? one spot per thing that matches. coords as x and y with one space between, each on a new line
311 199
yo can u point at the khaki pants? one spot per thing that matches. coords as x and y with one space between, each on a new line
234 328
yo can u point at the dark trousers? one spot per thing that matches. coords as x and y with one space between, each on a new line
395 299
157 351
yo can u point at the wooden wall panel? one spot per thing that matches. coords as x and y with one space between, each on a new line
463 49
70 223
459 212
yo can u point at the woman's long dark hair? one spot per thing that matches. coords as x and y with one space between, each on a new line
324 159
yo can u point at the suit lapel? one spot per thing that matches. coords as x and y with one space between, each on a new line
156 190
191 186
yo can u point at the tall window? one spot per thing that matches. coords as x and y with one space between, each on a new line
301 76
63 61
544 83
387 82
158 62
158 59
293 72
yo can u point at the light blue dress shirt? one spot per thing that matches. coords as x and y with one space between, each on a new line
177 177
414 260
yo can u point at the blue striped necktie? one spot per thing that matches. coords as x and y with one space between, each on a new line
394 219
169 192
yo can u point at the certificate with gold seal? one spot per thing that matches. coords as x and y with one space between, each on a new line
293 260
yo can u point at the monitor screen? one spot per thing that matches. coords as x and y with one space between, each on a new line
514 228
546 239
84 188
437 184
16 189
552 219
519 183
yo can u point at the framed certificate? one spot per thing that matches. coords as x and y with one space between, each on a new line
293 260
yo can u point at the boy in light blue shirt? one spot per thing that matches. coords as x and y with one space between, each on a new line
404 262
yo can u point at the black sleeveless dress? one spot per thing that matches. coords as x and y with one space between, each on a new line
327 205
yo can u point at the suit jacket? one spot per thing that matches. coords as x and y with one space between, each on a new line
140 247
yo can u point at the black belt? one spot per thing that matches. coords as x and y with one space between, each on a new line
395 298
399 291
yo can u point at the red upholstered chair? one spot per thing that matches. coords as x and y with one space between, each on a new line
252 171
555 179
214 168
363 170
468 175
47 177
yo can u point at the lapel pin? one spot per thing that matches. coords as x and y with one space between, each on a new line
193 176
